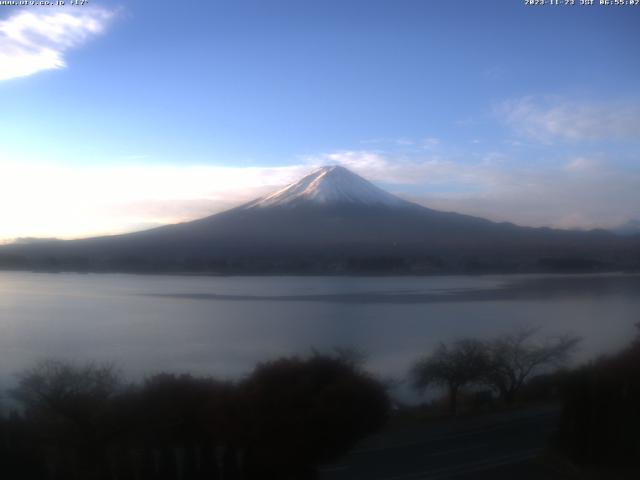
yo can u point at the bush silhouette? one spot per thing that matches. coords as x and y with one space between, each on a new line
80 422
600 421
68 412
308 411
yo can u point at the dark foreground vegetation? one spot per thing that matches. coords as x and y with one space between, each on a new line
503 365
287 417
598 435
600 423
291 415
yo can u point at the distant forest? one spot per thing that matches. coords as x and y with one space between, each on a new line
327 264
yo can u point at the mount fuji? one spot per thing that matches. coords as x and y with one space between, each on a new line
329 186
333 221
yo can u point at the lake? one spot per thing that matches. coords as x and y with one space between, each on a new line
223 325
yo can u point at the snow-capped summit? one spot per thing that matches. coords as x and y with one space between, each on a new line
330 185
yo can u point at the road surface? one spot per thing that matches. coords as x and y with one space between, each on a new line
492 446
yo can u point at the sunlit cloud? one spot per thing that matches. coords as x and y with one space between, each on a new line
389 168
33 41
43 200
550 119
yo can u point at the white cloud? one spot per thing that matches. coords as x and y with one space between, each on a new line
43 200
582 164
422 170
430 142
583 193
33 41
404 142
551 119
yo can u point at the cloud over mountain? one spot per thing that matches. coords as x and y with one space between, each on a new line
549 119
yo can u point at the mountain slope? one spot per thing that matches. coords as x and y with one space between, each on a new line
333 221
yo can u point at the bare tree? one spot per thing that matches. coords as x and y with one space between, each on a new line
516 356
58 388
462 363
70 405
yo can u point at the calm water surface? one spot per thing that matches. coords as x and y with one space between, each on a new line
224 325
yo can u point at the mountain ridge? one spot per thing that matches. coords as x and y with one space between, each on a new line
333 221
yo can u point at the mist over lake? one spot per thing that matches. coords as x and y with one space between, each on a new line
223 325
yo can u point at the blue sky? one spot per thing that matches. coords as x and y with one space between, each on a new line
121 115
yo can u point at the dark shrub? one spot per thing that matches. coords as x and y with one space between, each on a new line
307 411
600 422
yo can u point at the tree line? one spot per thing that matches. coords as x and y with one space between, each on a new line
293 414
282 421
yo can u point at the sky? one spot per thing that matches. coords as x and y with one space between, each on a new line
122 115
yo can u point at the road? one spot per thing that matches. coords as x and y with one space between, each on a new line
492 446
